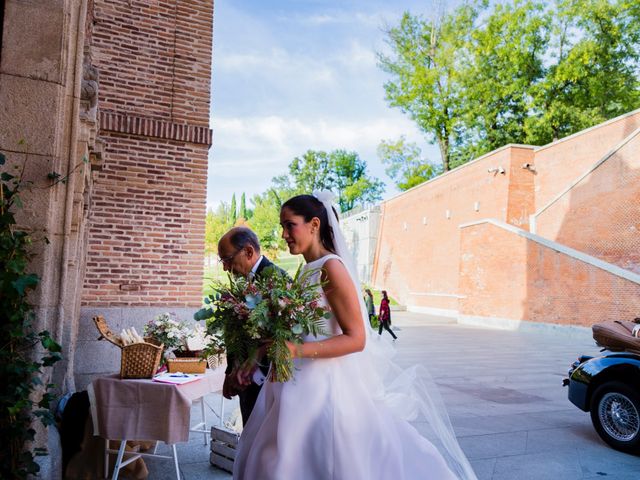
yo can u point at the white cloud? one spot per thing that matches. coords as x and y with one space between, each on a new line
249 151
293 76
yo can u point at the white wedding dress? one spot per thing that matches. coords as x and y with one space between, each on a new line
327 424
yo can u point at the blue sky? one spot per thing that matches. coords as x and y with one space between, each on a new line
293 75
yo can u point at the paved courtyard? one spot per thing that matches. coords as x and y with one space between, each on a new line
505 399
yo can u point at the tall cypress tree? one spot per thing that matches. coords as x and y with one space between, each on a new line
233 210
243 207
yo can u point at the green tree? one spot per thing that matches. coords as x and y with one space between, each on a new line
593 76
216 224
523 71
265 221
243 207
233 210
340 171
404 163
311 171
423 70
348 178
503 61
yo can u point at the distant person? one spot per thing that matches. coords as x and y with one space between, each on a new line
371 309
385 316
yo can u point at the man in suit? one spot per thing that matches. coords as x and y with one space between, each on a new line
239 252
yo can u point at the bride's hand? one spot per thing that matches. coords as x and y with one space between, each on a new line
294 349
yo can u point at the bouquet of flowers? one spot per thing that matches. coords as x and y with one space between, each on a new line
265 312
166 329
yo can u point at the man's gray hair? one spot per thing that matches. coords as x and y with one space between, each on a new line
243 236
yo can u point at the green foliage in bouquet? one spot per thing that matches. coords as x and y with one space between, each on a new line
264 312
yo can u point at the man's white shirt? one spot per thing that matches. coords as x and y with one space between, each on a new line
258 376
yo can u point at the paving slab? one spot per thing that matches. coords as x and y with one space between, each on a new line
504 396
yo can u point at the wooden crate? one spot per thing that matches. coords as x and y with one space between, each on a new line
224 444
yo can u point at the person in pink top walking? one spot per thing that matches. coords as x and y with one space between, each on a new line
385 316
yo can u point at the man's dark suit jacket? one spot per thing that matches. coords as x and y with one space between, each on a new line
249 395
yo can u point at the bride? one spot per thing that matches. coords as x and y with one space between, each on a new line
335 419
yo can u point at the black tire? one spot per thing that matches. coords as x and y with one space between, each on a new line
615 413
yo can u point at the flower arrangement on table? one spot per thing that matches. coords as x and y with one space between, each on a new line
187 343
249 315
167 329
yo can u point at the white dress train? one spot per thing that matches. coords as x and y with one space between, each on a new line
326 424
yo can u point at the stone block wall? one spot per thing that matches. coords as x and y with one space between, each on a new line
360 228
47 133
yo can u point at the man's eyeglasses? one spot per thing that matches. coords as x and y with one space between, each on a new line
229 258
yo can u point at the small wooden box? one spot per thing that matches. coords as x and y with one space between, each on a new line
224 444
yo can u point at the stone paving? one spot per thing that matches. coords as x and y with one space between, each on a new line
505 399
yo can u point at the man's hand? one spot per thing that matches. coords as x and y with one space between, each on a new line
244 374
231 387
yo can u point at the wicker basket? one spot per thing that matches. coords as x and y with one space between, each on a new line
138 360
186 365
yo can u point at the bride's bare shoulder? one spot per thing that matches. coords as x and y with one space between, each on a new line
334 271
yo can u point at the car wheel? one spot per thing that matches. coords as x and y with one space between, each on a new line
615 413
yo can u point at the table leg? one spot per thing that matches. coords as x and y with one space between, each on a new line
106 458
116 468
175 460
221 410
204 420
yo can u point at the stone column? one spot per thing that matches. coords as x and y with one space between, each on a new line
41 73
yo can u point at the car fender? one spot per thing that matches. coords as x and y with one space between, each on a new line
622 366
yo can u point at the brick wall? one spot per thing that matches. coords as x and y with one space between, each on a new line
522 279
424 263
146 237
418 249
600 215
560 163
154 58
146 241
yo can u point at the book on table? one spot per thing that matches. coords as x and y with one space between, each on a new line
177 378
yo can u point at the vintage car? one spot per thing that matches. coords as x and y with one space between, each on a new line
608 386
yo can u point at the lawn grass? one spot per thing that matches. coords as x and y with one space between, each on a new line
286 261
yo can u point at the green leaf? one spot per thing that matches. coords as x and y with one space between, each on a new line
203 314
48 342
24 283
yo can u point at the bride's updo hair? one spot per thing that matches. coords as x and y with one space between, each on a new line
308 206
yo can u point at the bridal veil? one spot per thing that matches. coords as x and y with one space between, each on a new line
410 393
